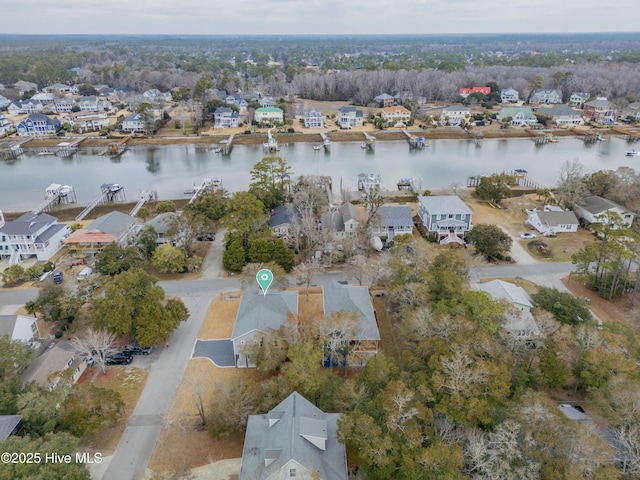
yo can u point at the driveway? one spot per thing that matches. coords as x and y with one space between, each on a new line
220 352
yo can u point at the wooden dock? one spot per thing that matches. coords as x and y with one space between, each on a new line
109 192
56 194
145 197
415 141
66 149
628 134
116 148
369 142
226 145
326 141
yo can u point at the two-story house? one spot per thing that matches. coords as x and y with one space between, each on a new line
313 119
599 110
112 227
546 96
392 220
446 216
578 99
384 100
38 124
342 223
134 123
520 116
453 115
225 117
269 115
465 92
89 122
4 102
350 117
282 218
562 115
156 96
90 103
6 127
237 100
509 95
397 114
64 105
30 235
267 102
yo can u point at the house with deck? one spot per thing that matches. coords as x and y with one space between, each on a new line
396 114
134 123
392 220
341 222
164 225
454 115
350 117
267 102
446 216
313 118
384 100
509 95
112 227
269 115
563 115
90 103
295 439
593 209
351 305
520 116
31 235
552 222
89 122
578 99
546 96
599 110
64 105
225 117
6 127
259 315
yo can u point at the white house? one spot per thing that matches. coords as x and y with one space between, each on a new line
552 222
155 95
578 99
31 235
593 208
546 96
509 95
20 328
453 115
269 115
397 114
4 102
350 117
313 119
89 122
133 124
519 323
393 220
225 117
446 216
6 127
89 103
563 115
520 116
64 105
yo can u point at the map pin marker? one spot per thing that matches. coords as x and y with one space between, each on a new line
264 278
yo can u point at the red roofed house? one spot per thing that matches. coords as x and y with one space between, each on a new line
465 92
112 227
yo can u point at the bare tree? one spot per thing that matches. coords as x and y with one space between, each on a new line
305 276
194 385
96 344
571 187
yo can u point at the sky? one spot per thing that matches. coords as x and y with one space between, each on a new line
317 16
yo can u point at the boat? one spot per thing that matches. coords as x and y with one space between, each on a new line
217 150
317 147
46 153
632 153
115 188
553 140
363 145
65 190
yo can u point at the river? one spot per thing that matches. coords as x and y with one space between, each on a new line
171 170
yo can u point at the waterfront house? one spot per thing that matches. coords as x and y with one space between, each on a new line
225 117
38 124
352 305
509 95
134 124
269 115
632 111
164 225
64 105
32 235
465 92
19 328
546 96
578 99
295 439
593 208
369 181
562 115
90 103
313 119
267 102
6 127
393 220
89 122
453 115
520 116
446 216
599 110
397 114
384 100
112 227
552 222
342 222
282 218
350 117
259 315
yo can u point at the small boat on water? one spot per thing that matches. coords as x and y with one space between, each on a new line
115 188
46 152
553 140
217 150
317 147
363 145
632 153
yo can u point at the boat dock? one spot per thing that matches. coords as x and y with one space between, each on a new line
66 149
109 192
9 150
226 145
369 142
591 137
56 194
628 134
520 176
408 185
540 136
271 145
116 148
145 197
206 184
415 141
326 141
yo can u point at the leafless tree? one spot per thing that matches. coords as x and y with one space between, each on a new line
96 344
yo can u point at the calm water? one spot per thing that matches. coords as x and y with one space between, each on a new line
171 170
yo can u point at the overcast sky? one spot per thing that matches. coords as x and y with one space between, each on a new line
317 16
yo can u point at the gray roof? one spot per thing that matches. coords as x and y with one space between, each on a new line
349 212
595 204
599 102
449 204
27 224
50 232
114 223
383 96
7 424
507 291
293 431
351 298
395 215
41 117
558 111
572 413
264 312
455 108
558 218
333 220
163 222
283 215
7 325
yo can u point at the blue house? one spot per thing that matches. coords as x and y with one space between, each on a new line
38 124
446 216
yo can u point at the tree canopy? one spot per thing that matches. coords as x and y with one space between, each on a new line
490 241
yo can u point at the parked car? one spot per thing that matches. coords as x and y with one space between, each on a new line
137 350
118 359
527 236
57 278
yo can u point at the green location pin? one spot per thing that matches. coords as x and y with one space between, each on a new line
264 278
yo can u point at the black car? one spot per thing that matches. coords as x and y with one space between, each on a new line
118 359
137 350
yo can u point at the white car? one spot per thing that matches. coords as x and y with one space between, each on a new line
527 236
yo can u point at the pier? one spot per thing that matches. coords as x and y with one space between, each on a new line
326 141
520 176
109 192
10 150
66 149
145 197
116 148
206 184
369 142
56 194
628 134
408 185
415 141
226 145
271 144
591 137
